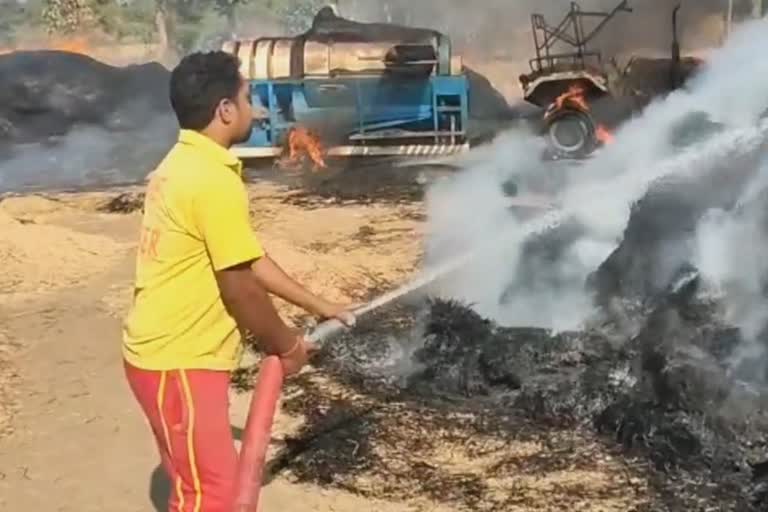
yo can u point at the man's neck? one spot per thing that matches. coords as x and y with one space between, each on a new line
217 137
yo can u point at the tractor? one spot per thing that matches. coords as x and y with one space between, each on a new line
584 98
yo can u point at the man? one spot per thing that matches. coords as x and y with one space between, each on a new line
201 276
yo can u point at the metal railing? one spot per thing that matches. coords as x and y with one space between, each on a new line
570 31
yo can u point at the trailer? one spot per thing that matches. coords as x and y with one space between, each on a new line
361 90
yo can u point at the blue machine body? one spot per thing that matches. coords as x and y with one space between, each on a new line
364 115
363 88
358 115
365 107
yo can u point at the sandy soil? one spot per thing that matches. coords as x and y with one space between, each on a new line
72 437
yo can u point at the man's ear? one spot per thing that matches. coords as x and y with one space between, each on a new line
226 111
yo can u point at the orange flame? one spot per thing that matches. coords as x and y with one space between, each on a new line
603 134
302 143
573 96
77 45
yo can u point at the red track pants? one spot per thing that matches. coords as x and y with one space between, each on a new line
188 411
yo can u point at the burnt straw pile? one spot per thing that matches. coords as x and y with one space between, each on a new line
50 93
67 120
659 393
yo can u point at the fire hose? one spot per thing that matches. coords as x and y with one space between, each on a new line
269 382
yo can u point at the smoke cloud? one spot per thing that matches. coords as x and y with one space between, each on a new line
87 156
596 197
494 21
494 36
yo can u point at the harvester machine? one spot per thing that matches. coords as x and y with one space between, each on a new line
583 103
356 89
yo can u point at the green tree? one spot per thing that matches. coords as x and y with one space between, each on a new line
13 15
228 9
67 16
134 20
297 15
181 24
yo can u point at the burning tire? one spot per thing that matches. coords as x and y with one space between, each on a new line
571 133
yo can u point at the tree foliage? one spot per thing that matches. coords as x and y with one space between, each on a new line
128 21
67 16
13 16
186 23
297 15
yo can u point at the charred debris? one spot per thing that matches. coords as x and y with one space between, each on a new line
665 398
68 120
652 378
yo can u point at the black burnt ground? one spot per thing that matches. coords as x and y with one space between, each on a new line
126 202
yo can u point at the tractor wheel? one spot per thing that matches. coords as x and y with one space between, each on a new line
571 134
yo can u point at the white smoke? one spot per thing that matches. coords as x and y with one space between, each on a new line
500 26
730 253
494 37
87 156
471 209
731 247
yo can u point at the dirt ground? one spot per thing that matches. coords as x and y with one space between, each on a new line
71 436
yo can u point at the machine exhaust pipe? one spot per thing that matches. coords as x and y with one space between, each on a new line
674 70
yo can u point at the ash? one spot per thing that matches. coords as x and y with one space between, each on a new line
127 202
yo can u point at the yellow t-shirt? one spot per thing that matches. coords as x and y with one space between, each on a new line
195 222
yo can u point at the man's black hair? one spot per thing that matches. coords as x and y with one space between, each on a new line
199 83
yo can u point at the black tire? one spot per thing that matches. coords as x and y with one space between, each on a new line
571 134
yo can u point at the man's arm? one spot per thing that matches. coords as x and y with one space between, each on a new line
274 279
250 306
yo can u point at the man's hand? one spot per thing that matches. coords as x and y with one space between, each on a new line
295 359
341 312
